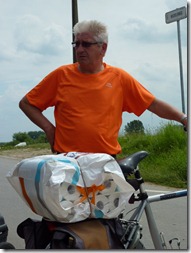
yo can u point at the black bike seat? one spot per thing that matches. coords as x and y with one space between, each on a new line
129 163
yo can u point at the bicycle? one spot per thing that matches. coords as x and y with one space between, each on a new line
132 227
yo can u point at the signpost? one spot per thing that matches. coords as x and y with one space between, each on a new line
172 16
74 21
175 15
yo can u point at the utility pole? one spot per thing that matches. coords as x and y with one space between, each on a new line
177 15
74 21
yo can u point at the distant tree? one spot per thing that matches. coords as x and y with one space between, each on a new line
36 134
30 137
42 138
135 126
21 137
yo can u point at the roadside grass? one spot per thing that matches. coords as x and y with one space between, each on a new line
167 147
167 161
35 146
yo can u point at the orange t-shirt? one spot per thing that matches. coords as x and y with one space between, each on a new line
88 107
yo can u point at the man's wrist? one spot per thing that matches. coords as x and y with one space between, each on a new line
183 118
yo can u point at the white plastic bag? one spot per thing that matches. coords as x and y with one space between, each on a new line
73 186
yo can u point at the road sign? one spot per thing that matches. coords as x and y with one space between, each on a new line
171 16
175 15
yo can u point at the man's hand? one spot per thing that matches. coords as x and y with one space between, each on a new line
37 117
50 135
184 122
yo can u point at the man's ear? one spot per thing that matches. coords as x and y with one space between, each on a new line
103 49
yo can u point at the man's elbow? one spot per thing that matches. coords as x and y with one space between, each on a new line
153 105
23 102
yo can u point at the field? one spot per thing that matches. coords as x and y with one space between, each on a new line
167 161
166 164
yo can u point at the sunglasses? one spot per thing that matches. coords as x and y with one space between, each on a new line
85 44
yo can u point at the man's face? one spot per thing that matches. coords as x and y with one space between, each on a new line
88 54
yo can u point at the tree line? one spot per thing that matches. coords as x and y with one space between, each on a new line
32 137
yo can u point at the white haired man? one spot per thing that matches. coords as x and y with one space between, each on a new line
89 98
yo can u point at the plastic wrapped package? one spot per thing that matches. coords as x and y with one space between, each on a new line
72 186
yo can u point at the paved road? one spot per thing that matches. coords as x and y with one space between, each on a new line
171 215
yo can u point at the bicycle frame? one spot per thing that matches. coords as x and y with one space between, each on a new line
132 235
157 238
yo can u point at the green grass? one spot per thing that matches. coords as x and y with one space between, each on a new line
167 161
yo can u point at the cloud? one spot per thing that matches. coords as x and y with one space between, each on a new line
33 37
11 96
139 30
7 53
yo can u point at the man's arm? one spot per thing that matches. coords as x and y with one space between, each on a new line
36 116
166 111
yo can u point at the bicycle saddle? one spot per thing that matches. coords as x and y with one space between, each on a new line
129 163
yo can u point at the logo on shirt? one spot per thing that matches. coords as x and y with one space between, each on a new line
109 85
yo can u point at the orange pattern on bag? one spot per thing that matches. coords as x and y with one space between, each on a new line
25 194
85 191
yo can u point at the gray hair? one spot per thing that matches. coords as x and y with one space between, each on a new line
98 29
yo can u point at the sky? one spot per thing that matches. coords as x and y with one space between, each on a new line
36 39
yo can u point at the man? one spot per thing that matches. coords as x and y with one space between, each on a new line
89 98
